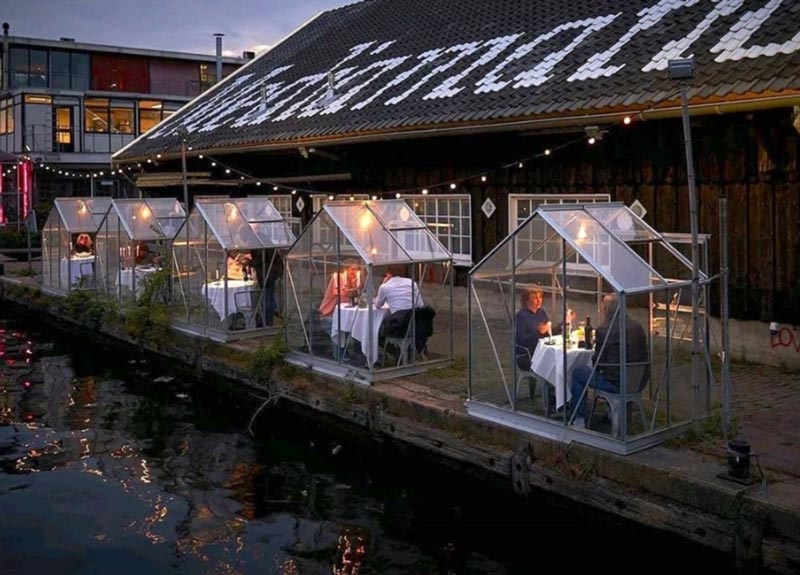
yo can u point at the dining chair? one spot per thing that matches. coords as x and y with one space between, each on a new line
637 377
86 278
246 303
535 382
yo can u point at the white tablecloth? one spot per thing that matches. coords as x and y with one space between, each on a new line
548 363
215 293
355 321
71 274
125 278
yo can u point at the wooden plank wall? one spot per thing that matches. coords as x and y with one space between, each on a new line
752 159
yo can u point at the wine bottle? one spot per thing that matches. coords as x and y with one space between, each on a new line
587 333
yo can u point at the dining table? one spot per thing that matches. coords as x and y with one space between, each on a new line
548 364
218 295
134 278
351 321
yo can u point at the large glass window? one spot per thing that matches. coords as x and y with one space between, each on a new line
449 218
79 79
208 76
37 75
6 116
18 66
59 70
150 114
121 119
96 115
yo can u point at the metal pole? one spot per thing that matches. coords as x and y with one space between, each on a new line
183 176
91 186
693 220
219 36
726 377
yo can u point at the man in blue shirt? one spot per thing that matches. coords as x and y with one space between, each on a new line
531 324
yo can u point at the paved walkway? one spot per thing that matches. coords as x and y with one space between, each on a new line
765 406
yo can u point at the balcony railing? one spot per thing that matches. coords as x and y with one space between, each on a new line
44 139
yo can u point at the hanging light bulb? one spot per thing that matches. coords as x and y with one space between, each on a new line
520 165
483 178
258 183
547 152
200 156
453 186
213 164
592 140
227 170
274 188
627 120
374 198
158 156
397 195
294 192
425 192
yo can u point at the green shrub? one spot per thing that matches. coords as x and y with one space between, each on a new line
11 238
266 358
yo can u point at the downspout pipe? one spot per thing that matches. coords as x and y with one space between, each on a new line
5 78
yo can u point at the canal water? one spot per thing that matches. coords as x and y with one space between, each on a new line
114 464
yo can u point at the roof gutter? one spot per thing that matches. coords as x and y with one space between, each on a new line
575 121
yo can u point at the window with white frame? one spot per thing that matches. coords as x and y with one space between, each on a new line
283 203
521 206
449 217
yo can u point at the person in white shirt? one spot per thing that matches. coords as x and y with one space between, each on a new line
396 291
402 295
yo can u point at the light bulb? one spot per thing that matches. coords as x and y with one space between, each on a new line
452 186
627 120
483 178
547 152
592 140
397 195
425 192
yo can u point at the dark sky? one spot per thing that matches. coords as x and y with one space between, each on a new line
184 26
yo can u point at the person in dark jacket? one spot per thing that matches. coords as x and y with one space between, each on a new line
268 270
531 324
607 356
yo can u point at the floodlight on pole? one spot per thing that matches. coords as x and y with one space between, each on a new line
682 70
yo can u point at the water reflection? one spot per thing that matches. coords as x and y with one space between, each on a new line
114 465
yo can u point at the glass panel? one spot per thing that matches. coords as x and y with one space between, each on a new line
622 222
38 69
18 67
396 215
96 115
229 226
170 214
80 71
59 70
613 258
121 121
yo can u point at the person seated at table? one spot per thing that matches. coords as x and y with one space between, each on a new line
338 292
402 295
238 266
532 324
267 278
145 257
84 244
606 375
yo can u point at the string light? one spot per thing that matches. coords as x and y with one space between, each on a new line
592 136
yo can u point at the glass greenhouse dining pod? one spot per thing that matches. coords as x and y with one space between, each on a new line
227 268
134 242
68 250
353 278
622 381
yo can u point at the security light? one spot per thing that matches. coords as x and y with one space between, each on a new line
681 69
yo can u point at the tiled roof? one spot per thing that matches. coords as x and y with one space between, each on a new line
403 65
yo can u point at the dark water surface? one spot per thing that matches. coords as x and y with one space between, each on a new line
110 464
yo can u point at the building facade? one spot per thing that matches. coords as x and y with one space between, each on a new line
66 106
